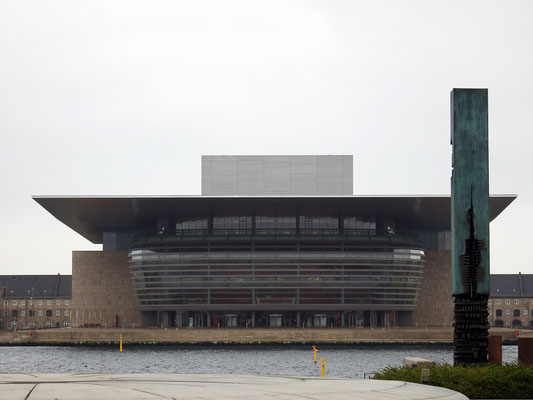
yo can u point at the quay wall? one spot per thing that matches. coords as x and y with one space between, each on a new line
205 336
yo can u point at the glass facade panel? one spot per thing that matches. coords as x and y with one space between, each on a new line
231 273
275 225
319 225
436 240
232 225
117 240
355 225
187 226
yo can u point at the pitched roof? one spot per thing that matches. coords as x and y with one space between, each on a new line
37 286
511 285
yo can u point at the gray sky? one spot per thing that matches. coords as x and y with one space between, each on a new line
123 97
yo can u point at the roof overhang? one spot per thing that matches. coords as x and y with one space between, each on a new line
90 216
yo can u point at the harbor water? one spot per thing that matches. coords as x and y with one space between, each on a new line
342 361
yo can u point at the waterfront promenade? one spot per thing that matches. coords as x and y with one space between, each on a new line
210 386
212 336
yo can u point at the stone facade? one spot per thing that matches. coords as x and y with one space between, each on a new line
435 307
511 312
102 293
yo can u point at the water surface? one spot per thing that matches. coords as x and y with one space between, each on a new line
346 362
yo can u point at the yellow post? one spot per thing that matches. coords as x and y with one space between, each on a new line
121 342
323 365
314 353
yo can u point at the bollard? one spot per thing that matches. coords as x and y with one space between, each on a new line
495 350
525 350
323 367
424 376
121 342
314 353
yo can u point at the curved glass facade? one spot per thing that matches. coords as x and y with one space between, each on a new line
269 265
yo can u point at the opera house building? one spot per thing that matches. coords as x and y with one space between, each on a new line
273 241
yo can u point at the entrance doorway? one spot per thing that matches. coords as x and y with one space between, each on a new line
319 320
275 320
230 320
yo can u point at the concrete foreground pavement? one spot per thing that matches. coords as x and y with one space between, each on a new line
210 386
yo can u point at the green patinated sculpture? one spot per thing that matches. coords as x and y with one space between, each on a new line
470 225
470 192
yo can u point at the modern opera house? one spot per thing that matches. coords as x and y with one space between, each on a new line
273 241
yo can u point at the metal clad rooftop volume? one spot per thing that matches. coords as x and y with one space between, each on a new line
325 175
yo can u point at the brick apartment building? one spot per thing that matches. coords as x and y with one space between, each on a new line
35 301
511 300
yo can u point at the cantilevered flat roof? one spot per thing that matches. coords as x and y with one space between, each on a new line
90 216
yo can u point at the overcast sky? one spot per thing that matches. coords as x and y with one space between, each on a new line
123 97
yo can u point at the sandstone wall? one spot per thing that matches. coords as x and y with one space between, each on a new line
436 302
102 290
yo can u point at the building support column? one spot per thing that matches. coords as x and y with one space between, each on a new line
373 319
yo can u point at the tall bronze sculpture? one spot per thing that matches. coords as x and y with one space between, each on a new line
470 224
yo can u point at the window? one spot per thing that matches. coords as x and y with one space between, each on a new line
66 323
40 313
31 324
498 313
490 302
358 223
516 312
507 312
58 302
31 302
517 301
507 302
49 324
23 302
48 302
67 313
48 313
490 312
14 324
66 302
191 226
499 302
58 313
14 313
40 302
232 225
317 225
23 313
14 302
279 225
31 313
525 312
